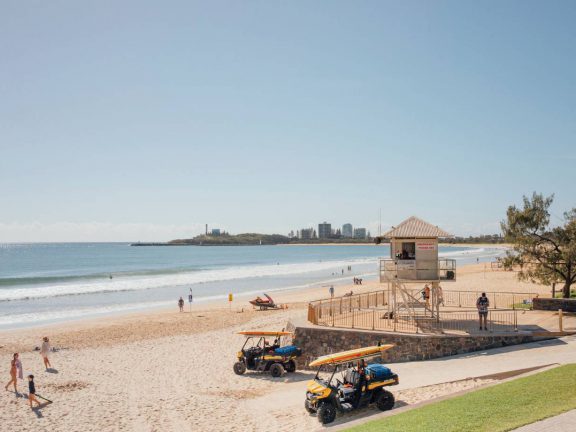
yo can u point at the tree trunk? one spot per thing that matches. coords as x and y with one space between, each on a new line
566 289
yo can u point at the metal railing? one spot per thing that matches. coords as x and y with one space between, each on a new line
415 270
498 321
374 311
340 305
498 300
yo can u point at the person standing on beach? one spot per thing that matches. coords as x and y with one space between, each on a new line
482 304
181 304
15 368
45 352
331 291
32 391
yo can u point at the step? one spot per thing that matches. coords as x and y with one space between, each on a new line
346 406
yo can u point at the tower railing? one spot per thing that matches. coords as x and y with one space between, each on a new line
417 270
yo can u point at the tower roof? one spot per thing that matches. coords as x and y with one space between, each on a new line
415 227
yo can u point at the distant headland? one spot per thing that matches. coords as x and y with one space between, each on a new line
251 239
254 239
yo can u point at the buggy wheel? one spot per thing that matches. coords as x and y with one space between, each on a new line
326 413
385 400
308 407
239 368
290 366
276 370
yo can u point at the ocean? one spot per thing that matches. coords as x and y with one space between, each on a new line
43 283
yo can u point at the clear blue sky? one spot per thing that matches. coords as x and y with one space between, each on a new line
143 120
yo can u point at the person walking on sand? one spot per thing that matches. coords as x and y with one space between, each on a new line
181 304
482 304
331 291
45 352
15 372
32 391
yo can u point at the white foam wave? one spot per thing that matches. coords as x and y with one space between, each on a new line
36 318
178 279
473 252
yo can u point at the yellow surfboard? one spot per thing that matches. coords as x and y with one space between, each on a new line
355 354
258 333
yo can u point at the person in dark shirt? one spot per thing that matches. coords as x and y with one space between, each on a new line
181 304
32 391
482 304
362 381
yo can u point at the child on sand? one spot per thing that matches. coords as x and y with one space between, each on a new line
32 391
45 351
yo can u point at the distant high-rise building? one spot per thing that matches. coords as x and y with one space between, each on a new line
347 231
324 230
360 233
306 233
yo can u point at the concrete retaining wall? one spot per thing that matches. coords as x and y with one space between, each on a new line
316 341
553 304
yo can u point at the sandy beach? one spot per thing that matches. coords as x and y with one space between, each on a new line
171 371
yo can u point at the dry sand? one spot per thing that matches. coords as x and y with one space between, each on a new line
170 371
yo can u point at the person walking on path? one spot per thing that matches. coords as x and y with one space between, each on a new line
482 304
32 391
181 304
331 291
45 352
15 372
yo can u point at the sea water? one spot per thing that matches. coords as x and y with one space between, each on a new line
53 282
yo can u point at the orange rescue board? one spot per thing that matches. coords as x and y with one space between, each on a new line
354 354
265 333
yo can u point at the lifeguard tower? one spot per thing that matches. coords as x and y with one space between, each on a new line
413 264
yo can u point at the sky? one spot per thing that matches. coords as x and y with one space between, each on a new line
145 120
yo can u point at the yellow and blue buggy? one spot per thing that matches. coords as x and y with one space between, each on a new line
340 385
258 354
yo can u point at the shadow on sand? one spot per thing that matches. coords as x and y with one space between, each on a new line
506 349
359 414
291 377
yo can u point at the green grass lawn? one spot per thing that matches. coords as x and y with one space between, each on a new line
572 294
502 407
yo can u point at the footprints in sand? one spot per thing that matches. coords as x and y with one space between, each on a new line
66 387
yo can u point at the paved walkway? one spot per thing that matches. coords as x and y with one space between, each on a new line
488 362
445 369
561 423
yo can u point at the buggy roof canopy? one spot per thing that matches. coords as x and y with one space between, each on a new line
346 356
264 333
